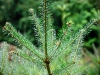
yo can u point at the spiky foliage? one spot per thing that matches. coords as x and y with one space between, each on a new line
93 61
53 56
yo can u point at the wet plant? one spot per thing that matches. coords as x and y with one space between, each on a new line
53 56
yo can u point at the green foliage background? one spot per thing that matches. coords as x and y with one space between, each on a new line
79 11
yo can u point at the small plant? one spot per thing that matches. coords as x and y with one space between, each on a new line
53 56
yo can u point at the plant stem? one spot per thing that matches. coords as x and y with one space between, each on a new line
46 61
45 29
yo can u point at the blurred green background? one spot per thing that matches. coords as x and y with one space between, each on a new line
81 12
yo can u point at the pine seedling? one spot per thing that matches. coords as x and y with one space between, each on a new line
53 56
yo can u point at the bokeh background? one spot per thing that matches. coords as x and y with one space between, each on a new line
81 12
